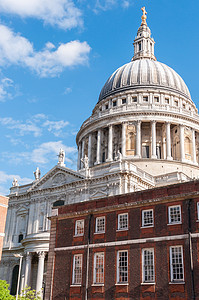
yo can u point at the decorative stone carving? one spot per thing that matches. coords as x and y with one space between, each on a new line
59 178
15 182
37 174
61 158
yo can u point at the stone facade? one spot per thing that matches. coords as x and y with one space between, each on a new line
3 213
143 133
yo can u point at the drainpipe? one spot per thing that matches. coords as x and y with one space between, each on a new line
87 260
191 250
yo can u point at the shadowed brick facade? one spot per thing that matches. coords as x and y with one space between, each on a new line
165 235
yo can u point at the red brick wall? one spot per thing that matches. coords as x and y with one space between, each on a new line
175 195
3 213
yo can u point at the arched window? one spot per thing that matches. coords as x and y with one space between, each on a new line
15 274
58 203
20 237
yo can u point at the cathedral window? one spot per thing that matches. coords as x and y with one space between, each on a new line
79 227
134 99
157 99
100 225
77 269
114 103
148 270
176 264
123 221
176 103
20 238
106 106
140 46
124 101
175 214
167 100
99 268
145 99
147 218
122 266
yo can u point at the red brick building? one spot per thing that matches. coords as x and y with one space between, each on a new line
3 213
142 245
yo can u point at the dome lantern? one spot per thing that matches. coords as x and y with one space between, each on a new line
143 43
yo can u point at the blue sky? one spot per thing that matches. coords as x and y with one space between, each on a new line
55 56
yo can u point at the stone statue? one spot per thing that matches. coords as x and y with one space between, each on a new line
144 16
37 174
118 156
85 162
61 157
15 182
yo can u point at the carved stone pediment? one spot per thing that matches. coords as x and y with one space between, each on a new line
56 177
99 194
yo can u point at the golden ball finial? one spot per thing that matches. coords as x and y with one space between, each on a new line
144 16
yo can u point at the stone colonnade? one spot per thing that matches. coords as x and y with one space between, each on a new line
40 270
166 143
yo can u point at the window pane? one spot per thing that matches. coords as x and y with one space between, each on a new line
79 227
147 218
99 268
174 214
123 221
176 259
77 269
122 266
100 224
148 265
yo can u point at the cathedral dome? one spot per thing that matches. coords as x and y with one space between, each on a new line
143 73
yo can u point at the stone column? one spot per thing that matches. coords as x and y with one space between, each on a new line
98 160
110 143
168 134
194 146
82 156
28 269
123 139
79 156
153 134
182 154
90 148
40 271
138 139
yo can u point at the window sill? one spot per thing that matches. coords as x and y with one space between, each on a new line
75 285
101 232
176 282
151 226
197 220
119 230
179 223
97 284
118 283
148 283
78 235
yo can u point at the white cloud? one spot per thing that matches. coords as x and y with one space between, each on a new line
21 128
67 90
50 61
34 125
8 178
44 153
62 13
7 89
55 126
109 4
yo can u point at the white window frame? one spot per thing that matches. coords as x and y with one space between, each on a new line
198 210
143 265
95 268
74 269
76 228
171 265
118 267
169 212
119 224
143 219
96 224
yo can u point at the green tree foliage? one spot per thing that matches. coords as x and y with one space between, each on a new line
28 294
4 291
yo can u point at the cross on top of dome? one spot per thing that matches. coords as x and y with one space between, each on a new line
144 16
